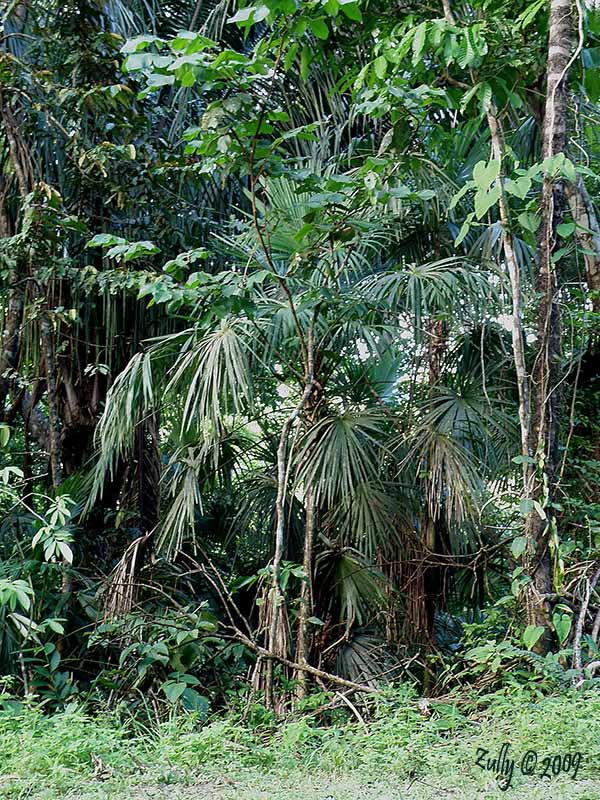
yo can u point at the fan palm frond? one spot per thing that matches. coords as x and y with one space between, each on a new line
355 585
340 454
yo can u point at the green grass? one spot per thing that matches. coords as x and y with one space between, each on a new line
400 754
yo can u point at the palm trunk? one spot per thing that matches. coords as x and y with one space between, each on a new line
546 369
432 576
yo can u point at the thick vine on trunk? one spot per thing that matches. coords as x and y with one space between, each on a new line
546 371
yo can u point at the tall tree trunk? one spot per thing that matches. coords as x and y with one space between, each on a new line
546 368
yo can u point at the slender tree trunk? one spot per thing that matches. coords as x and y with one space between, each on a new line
588 235
514 273
303 643
277 598
306 594
546 368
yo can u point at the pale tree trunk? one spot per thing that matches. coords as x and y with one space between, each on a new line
588 235
546 371
514 273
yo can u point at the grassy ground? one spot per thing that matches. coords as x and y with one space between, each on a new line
400 755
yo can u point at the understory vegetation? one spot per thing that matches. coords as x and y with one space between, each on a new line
299 390
401 752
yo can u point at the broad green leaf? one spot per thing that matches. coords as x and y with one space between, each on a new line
518 546
380 67
305 61
319 28
531 635
157 80
194 701
565 229
173 690
519 187
351 10
529 221
562 625
105 240
66 552
484 200
526 507
418 42
485 173
568 170
521 459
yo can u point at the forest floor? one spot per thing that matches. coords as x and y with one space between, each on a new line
398 755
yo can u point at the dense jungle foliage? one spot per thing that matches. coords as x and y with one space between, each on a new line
299 374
